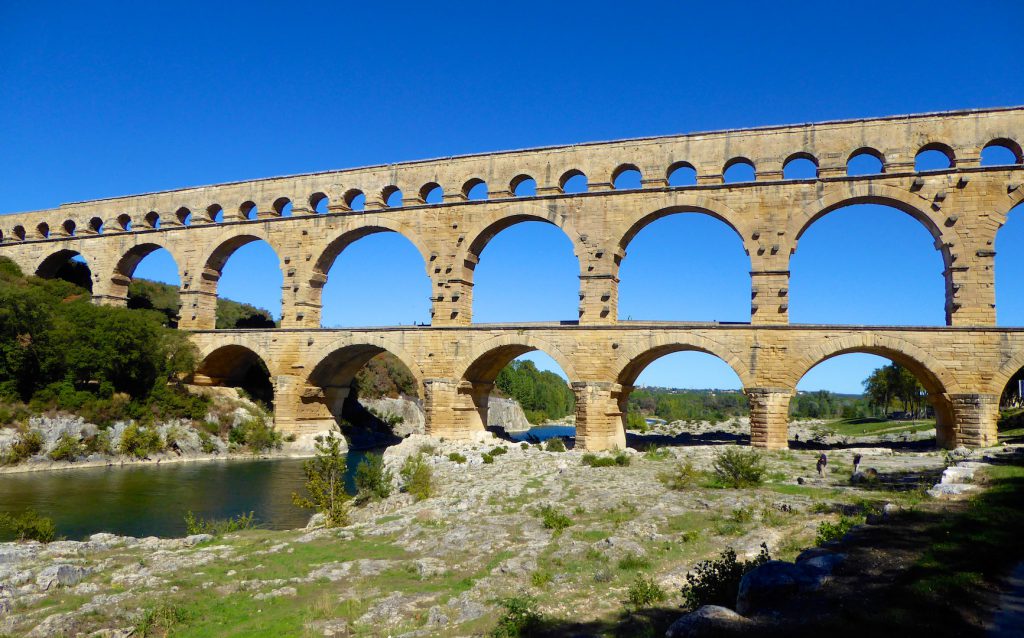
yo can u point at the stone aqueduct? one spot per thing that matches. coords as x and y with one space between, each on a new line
964 365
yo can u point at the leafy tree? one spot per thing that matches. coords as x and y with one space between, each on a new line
325 482
543 395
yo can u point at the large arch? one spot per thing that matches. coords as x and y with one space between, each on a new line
631 362
224 247
124 269
1009 266
59 265
237 366
341 358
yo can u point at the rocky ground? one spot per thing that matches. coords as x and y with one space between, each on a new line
441 566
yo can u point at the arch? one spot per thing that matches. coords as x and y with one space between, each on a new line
735 166
214 213
152 219
628 173
43 230
927 154
1006 372
239 366
681 174
229 241
328 252
58 265
354 199
69 227
432 193
475 189
511 215
486 359
248 210
700 204
392 196
523 186
319 202
856 166
343 357
632 361
124 269
282 207
573 181
1007 262
184 216
124 220
96 225
800 165
19 232
1012 147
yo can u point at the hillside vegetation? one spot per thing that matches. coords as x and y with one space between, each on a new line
543 395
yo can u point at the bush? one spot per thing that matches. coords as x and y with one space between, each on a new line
140 442
28 444
67 448
325 482
644 592
632 562
540 578
206 443
656 453
456 457
555 444
593 460
683 477
29 526
373 481
498 450
98 443
524 446
737 468
216 527
828 531
520 618
552 519
487 458
417 477
255 434
717 581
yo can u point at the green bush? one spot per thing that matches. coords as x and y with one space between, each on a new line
737 468
98 443
633 562
417 477
325 482
216 527
456 457
555 444
828 531
28 444
524 445
540 578
717 581
68 448
520 619
140 442
373 481
553 519
255 434
28 526
619 460
683 477
159 620
657 453
644 592
498 450
206 443
487 458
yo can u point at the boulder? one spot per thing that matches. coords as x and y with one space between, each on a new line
709 620
507 414
407 412
62 575
762 588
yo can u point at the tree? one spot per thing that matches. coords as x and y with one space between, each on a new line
325 482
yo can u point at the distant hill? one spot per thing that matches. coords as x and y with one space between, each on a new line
153 295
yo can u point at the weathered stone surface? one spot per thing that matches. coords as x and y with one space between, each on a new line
764 587
60 575
709 621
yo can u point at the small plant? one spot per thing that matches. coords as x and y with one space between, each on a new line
216 527
555 444
68 448
520 619
632 562
99 443
553 519
373 481
717 581
487 458
29 526
657 453
683 477
417 477
157 621
455 457
28 444
644 592
593 460
524 446
737 468
206 443
255 434
498 450
325 482
540 578
828 531
140 442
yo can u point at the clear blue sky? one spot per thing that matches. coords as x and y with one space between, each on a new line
105 99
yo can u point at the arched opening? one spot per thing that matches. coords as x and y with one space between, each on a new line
248 210
526 270
152 219
682 174
370 394
184 216
236 366
392 196
125 222
1009 269
800 166
869 398
738 170
283 207
69 228
43 231
245 274
153 281
400 290
891 274
524 186
573 181
626 177
865 161
319 203
355 199
684 265
934 157
475 189
96 225
215 213
19 232
68 265
432 193
1001 152
679 394
521 391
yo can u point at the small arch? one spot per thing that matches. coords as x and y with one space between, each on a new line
248 210
800 166
184 216
43 230
355 199
865 161
318 203
392 196
681 174
432 193
153 219
934 157
215 213
1001 152
282 207
523 186
738 170
69 228
124 221
19 232
627 177
96 225
573 181
475 189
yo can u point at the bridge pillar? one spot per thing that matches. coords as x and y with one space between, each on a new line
599 298
976 416
452 302
300 408
455 409
970 290
600 415
198 310
769 297
769 417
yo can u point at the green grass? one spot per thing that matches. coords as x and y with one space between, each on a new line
873 427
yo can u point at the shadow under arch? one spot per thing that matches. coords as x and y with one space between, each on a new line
236 366
62 265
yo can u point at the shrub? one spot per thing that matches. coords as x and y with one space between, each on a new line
373 481
737 468
255 434
540 578
140 442
456 457
28 444
29 526
684 476
206 443
552 519
487 458
520 618
633 562
555 444
524 446
498 450
99 443
828 531
717 581
159 620
417 477
644 592
216 527
67 448
325 482
656 453
593 460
